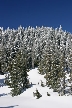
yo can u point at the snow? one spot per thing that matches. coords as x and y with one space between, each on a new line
26 99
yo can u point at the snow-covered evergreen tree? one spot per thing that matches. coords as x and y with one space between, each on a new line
17 74
49 49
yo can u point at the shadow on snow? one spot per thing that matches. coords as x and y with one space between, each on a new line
3 94
9 106
2 82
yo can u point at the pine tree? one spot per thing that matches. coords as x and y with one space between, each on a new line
62 71
70 60
2 61
17 77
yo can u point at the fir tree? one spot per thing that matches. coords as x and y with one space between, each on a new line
17 77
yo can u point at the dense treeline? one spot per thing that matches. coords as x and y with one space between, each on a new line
44 47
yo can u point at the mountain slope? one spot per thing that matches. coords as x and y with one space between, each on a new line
26 99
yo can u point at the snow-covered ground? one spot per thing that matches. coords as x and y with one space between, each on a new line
26 99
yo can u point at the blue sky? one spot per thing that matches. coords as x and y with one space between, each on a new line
51 13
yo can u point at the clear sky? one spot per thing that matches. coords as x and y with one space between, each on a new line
51 13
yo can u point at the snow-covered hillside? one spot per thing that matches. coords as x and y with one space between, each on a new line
26 99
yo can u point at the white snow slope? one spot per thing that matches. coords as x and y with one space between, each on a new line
26 99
